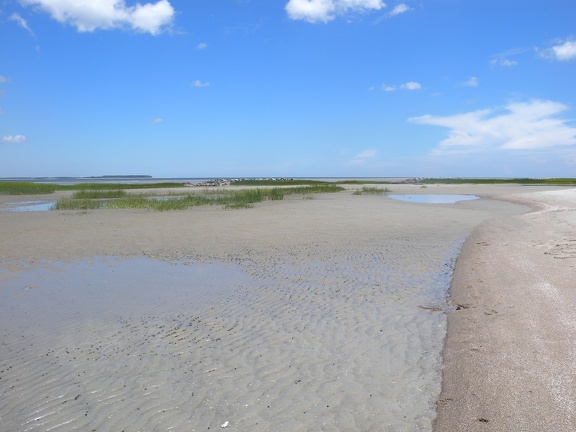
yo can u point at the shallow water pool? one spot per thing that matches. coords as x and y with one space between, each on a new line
28 206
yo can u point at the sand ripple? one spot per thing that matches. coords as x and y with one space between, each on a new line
140 345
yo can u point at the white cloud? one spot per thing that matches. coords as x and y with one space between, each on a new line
366 154
199 83
410 85
14 139
202 45
502 61
471 82
564 51
4 79
90 15
21 22
399 9
363 156
326 10
157 120
521 126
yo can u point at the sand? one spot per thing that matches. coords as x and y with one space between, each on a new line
510 356
305 314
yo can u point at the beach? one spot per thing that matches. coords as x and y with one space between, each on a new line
510 359
330 313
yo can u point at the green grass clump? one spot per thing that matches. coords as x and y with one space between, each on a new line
77 204
228 198
371 190
31 188
26 188
99 194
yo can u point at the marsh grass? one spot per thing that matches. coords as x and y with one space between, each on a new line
228 198
31 188
26 188
371 190
77 204
99 194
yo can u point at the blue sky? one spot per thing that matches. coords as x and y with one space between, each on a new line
339 88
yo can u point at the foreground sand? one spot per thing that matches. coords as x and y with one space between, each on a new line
327 314
510 355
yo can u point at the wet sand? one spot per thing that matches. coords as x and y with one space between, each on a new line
306 314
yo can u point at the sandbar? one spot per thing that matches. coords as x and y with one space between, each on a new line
315 314
510 356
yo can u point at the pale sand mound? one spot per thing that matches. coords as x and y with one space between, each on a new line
510 355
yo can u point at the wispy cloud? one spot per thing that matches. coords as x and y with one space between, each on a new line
562 50
399 9
3 80
157 120
14 139
363 157
202 46
471 82
505 59
21 22
410 85
90 15
326 10
198 83
519 126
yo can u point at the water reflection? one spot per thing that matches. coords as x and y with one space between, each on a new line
28 206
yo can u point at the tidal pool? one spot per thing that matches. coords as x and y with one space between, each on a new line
28 206
433 199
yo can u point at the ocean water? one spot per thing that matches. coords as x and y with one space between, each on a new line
109 344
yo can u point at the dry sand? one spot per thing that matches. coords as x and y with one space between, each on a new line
510 355
301 315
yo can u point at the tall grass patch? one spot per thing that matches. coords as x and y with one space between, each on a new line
26 188
228 198
99 194
371 190
77 204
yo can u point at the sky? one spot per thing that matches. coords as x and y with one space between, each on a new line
291 88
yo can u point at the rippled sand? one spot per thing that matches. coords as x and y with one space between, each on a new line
308 315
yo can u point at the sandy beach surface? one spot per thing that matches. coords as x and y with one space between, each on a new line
324 314
510 356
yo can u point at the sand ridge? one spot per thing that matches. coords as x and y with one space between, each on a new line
510 358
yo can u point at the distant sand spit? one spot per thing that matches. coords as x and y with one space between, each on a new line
301 315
